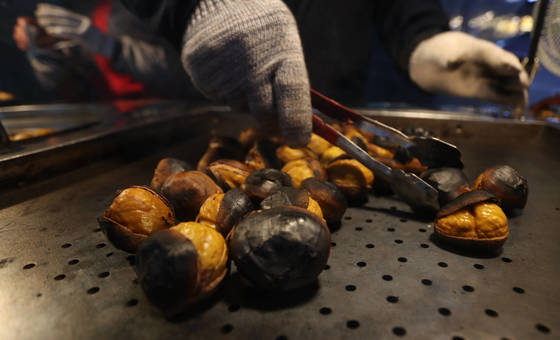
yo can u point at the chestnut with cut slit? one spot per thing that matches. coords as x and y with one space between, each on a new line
301 169
218 148
135 213
449 182
506 184
472 221
228 173
165 168
187 191
281 248
223 211
330 198
264 182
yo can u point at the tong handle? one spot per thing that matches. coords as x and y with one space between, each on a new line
333 108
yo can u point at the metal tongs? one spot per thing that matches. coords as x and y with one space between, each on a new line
410 188
430 151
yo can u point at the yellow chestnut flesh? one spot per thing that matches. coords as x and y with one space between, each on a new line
318 144
302 169
212 253
209 210
140 210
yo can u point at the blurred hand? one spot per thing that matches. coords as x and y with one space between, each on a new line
65 24
27 34
19 34
248 53
459 64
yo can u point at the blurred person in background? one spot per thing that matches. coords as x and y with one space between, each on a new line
109 55
249 53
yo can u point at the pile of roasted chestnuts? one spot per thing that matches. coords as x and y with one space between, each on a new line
268 207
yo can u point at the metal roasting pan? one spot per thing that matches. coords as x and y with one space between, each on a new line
387 276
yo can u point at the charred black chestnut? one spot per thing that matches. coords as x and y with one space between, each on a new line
228 173
290 196
507 184
223 211
167 269
265 182
281 248
187 191
135 213
165 168
331 200
449 182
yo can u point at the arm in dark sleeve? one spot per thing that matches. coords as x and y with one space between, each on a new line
403 24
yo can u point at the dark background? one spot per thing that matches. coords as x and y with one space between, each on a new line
384 87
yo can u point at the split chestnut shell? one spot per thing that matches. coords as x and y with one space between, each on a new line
290 196
223 211
264 182
331 200
449 182
472 221
165 168
281 248
135 213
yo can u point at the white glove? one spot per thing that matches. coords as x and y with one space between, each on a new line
64 24
248 53
459 64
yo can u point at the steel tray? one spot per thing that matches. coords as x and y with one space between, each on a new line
386 278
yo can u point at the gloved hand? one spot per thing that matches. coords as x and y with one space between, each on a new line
248 53
459 64
64 24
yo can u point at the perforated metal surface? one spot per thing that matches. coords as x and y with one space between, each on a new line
386 278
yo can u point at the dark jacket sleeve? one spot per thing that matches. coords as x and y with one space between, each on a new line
168 18
403 24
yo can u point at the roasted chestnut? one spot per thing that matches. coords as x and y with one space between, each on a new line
135 213
318 144
187 191
449 182
301 169
356 137
472 221
223 211
331 200
290 196
352 178
228 173
281 248
414 165
218 148
182 265
287 154
332 154
165 168
248 137
264 182
167 269
263 155
506 184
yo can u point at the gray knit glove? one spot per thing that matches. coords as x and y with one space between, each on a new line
248 53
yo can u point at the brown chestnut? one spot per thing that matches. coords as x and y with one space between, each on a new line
165 168
223 211
506 184
290 196
331 200
228 173
472 221
301 169
187 191
280 249
264 182
352 178
218 148
449 182
332 154
135 213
